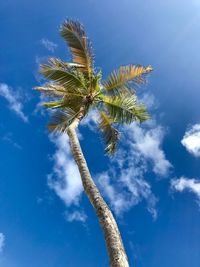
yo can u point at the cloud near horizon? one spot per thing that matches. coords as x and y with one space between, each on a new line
13 100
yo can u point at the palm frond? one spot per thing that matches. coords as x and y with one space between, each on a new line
56 91
67 77
51 90
121 78
62 119
95 83
74 102
125 109
71 101
140 112
54 104
110 134
79 45
57 62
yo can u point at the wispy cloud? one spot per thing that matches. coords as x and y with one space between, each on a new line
49 45
186 184
126 188
149 101
148 143
141 153
39 60
2 241
75 216
191 140
65 179
91 120
9 139
14 101
39 109
125 185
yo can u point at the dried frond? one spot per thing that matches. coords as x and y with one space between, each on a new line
79 45
110 134
121 78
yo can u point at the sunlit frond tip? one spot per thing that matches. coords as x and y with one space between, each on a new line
125 109
121 78
80 46
110 134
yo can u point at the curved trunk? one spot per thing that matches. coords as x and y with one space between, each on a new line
116 251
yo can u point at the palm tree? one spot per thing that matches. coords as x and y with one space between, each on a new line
74 90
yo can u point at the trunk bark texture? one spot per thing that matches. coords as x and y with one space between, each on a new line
115 248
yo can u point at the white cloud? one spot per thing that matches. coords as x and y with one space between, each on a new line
2 241
127 192
91 120
191 140
8 137
49 45
140 146
39 109
183 183
124 184
65 179
75 216
148 143
13 99
149 101
125 189
39 60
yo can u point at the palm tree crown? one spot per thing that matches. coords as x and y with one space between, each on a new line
76 88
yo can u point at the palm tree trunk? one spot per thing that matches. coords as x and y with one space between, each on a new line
116 251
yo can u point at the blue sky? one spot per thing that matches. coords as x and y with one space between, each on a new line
153 182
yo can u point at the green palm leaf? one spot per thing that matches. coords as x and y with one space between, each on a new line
54 104
72 101
62 119
95 83
124 109
121 78
79 45
75 102
67 77
110 134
